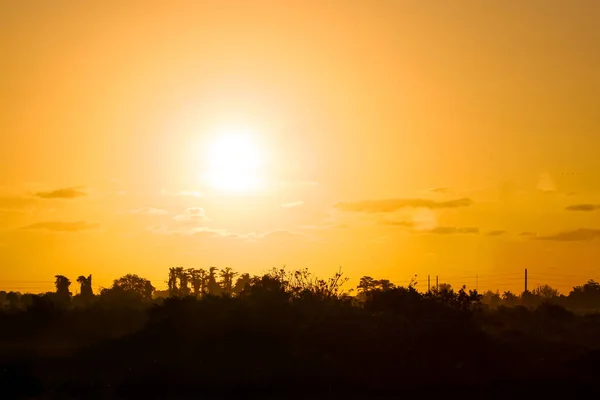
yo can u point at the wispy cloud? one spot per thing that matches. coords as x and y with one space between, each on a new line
583 207
191 214
442 190
292 204
198 231
149 211
61 226
440 230
321 227
573 236
65 193
527 234
452 230
423 220
496 233
186 231
207 232
391 205
406 224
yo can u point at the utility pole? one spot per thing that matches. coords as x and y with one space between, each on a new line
428 283
437 283
525 279
477 281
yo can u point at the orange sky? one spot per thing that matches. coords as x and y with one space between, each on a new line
358 109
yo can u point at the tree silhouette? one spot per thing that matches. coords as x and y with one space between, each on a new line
198 281
529 299
241 282
546 292
12 298
333 287
385 284
183 278
131 285
63 295
366 284
86 291
468 299
586 296
227 274
212 286
492 299
510 299
444 287
172 282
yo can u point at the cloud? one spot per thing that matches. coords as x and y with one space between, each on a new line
527 234
441 190
391 205
573 236
406 224
292 204
452 230
60 226
320 227
149 211
160 230
274 234
66 193
197 231
206 232
423 219
496 233
191 214
583 207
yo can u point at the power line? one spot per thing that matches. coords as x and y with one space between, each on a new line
475 274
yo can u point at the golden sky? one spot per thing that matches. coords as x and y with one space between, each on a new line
391 138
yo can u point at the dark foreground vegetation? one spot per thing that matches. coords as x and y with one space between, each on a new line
215 334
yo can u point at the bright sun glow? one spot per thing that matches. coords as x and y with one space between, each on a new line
233 162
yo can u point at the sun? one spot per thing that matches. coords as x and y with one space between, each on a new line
233 162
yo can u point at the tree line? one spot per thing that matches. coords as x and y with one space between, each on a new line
219 334
198 282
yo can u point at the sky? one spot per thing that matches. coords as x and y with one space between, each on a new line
388 138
